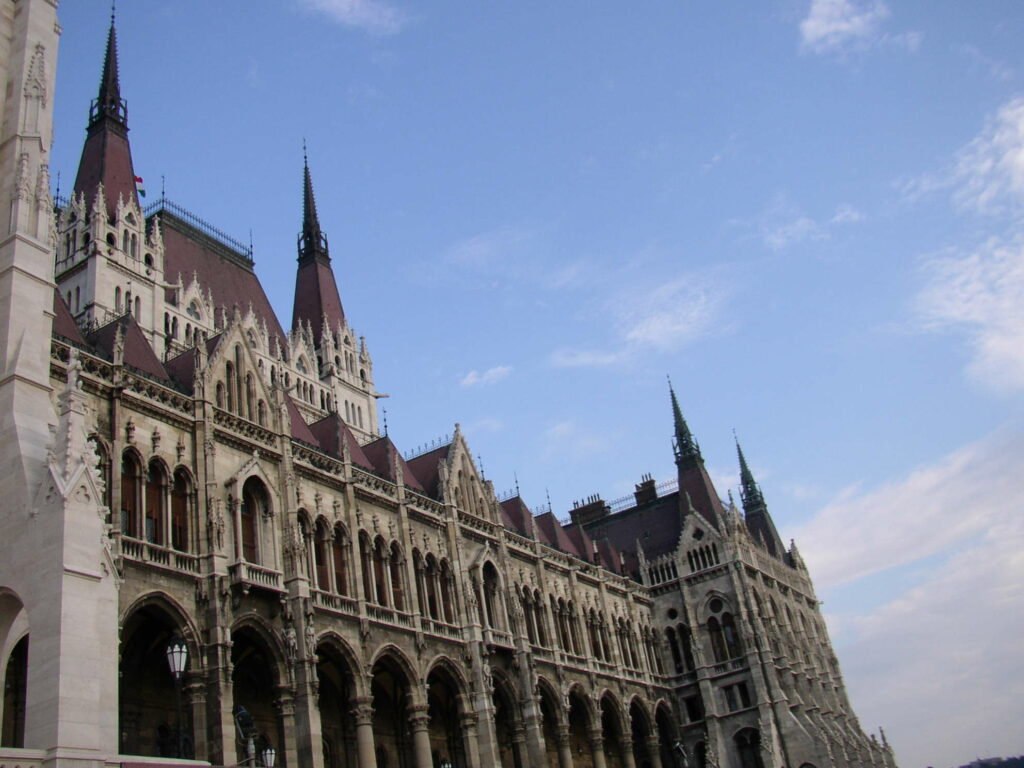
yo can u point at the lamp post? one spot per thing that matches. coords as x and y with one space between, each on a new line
268 755
177 660
446 763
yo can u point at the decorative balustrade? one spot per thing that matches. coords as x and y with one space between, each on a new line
389 615
376 484
423 504
441 628
335 603
250 574
243 427
141 551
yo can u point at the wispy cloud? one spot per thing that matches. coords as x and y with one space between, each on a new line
566 439
491 376
987 174
660 318
784 224
982 293
833 25
931 510
374 16
997 70
839 27
963 512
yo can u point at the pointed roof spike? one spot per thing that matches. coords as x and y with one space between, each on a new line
750 492
312 242
683 443
108 100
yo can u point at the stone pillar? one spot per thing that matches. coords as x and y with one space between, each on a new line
628 760
195 695
418 724
597 748
654 751
389 592
519 745
468 721
362 713
564 747
285 705
534 728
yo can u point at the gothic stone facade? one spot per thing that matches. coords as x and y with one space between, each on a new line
178 466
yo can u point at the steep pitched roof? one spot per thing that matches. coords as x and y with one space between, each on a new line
550 531
137 351
107 155
63 323
657 525
300 430
226 273
381 452
516 516
332 432
426 469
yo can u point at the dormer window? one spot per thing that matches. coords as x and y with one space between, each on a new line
193 310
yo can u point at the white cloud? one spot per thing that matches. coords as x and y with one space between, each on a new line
373 16
938 664
833 25
661 318
784 223
490 376
987 174
566 440
926 513
488 249
982 292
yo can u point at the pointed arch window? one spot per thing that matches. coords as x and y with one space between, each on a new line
717 640
255 503
321 556
156 504
131 494
731 636
181 494
395 562
339 546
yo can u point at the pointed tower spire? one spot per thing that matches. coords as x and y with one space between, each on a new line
107 155
683 443
109 102
317 302
694 482
750 491
759 521
312 241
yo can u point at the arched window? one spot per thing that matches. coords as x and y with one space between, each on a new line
117 299
15 696
104 467
379 556
395 563
748 746
255 502
138 307
124 242
156 495
78 296
447 590
181 491
229 380
219 400
321 555
732 638
366 563
717 640
492 601
261 413
339 546
686 648
250 396
677 659
131 494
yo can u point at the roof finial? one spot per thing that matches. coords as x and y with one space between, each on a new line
385 410
749 490
113 11
515 476
312 242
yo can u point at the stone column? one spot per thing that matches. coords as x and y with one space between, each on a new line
362 713
389 594
195 695
519 745
533 725
564 747
418 724
654 751
628 760
468 721
597 748
285 705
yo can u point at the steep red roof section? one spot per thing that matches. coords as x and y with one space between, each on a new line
316 295
381 452
106 159
516 516
695 481
550 531
137 351
63 323
227 274
331 432
300 430
426 470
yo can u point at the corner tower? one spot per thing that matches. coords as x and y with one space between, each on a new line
342 361
759 522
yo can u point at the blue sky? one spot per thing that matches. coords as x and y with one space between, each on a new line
807 212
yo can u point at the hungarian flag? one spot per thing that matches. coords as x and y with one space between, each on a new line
138 186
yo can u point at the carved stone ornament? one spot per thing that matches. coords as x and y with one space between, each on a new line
129 431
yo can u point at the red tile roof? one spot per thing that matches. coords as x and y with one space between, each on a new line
300 430
516 516
106 159
331 432
316 295
63 323
137 351
425 468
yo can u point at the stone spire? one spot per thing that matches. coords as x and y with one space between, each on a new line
750 491
107 155
317 302
694 482
683 443
312 241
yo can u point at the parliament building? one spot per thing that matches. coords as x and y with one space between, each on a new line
210 554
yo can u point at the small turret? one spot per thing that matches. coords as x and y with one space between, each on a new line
759 522
694 482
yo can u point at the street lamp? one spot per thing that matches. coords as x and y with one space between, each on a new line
268 756
446 763
177 660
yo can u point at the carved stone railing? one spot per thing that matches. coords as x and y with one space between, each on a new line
252 575
441 628
389 616
478 523
375 484
244 428
423 504
141 551
335 603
